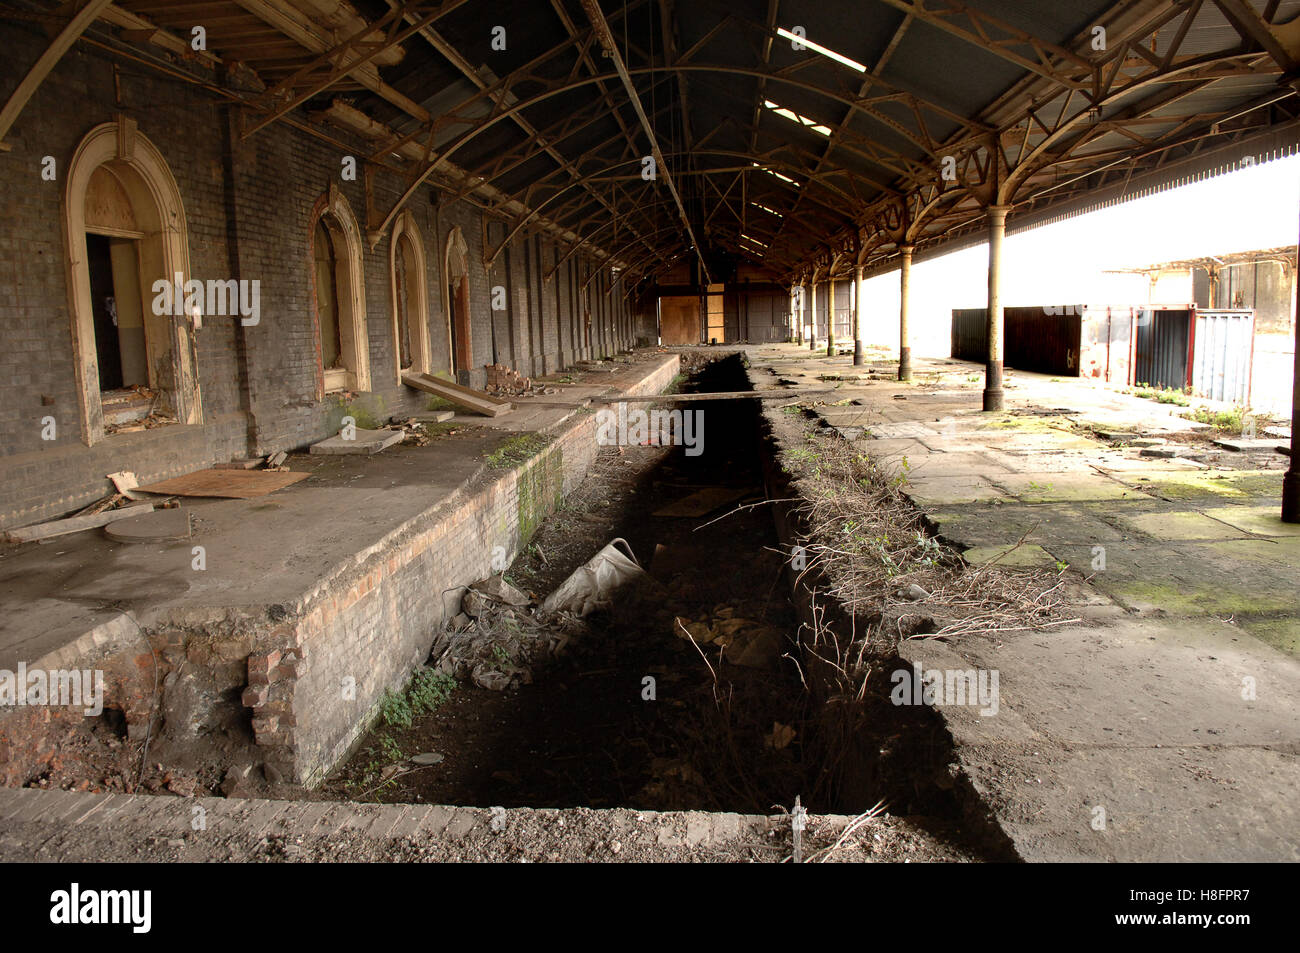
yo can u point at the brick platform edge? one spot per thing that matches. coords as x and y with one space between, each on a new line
315 674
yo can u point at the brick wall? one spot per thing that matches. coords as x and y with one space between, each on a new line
248 206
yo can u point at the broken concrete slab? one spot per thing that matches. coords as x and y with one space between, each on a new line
496 588
434 416
1245 444
160 526
362 442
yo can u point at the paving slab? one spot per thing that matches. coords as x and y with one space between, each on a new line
362 442
1206 486
939 490
1047 524
1223 579
1178 526
1023 556
1052 487
961 463
1259 520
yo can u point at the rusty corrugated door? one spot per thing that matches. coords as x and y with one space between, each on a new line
1043 339
1162 342
970 334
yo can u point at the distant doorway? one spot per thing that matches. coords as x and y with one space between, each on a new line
121 345
679 320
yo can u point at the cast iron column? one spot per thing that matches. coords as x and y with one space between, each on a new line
993 370
812 316
904 337
857 317
1291 481
830 319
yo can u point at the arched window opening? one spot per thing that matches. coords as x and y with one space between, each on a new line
135 346
410 300
338 296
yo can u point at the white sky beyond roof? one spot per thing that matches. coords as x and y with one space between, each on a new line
1066 262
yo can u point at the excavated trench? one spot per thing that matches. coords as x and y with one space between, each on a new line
635 714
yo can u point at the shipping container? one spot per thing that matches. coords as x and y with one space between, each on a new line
1174 346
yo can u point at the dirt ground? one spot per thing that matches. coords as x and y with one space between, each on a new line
581 733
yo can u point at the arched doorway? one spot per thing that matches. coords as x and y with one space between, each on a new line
456 304
410 300
125 238
338 297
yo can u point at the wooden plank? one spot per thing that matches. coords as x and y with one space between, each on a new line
75 524
53 53
475 400
228 484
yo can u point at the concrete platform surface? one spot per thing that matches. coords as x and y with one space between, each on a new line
1166 725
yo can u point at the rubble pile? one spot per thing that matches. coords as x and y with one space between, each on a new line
416 434
505 381
498 640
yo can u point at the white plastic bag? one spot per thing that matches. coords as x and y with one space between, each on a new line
592 585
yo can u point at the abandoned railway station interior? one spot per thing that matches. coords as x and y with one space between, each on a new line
649 430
